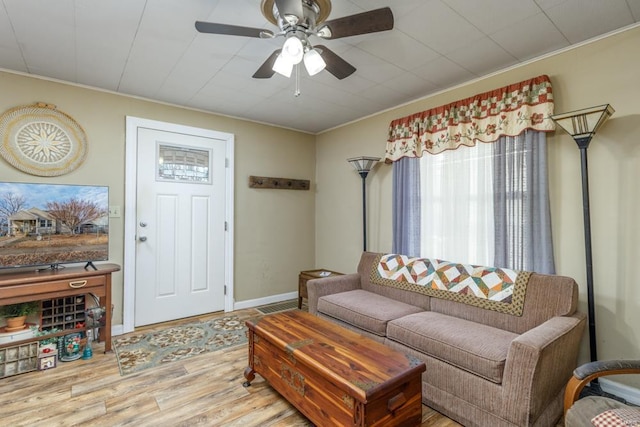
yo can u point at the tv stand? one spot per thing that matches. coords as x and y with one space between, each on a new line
90 264
49 284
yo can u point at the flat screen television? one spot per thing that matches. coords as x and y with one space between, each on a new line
53 224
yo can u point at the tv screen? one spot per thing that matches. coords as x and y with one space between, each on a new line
53 224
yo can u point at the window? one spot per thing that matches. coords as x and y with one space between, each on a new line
183 164
465 189
457 200
483 205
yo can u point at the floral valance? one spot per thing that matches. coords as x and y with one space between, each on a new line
507 111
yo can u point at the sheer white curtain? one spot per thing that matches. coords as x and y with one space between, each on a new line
457 199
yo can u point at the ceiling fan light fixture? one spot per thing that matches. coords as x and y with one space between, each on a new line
313 62
283 66
293 50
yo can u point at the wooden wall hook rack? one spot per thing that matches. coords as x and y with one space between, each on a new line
279 183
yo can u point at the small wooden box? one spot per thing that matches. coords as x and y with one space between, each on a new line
309 275
47 360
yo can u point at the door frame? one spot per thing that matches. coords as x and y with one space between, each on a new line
130 213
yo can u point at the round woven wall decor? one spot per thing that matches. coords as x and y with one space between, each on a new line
40 140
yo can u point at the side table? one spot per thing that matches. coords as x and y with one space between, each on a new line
308 275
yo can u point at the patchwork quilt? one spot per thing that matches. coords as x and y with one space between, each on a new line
492 288
620 417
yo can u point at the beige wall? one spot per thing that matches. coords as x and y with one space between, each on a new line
602 72
273 228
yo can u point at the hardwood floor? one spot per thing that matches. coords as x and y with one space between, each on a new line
205 390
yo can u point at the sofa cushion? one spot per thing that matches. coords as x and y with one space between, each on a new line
474 347
364 309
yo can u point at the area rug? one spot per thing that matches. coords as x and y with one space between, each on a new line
136 352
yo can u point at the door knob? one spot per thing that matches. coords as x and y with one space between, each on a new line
143 238
143 224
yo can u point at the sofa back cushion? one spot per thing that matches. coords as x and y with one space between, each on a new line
367 261
547 296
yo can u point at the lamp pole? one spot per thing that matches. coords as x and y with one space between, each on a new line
363 166
364 210
583 144
582 126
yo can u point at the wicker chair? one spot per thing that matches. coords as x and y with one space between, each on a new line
579 413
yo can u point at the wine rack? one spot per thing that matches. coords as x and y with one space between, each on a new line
63 313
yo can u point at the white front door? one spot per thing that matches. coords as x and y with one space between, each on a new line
181 197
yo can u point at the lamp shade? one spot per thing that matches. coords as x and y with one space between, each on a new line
282 66
583 124
313 62
363 164
292 49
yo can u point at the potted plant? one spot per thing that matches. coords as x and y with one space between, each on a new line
16 314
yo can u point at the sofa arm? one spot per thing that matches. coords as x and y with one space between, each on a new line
317 288
538 365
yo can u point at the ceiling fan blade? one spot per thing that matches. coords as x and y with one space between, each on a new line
335 65
232 30
290 7
361 23
266 69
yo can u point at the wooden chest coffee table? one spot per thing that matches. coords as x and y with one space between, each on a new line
332 375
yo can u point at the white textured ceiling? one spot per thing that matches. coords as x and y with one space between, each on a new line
150 48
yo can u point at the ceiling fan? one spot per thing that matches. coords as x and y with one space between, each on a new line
297 21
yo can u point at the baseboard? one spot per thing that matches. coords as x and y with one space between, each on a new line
239 305
628 393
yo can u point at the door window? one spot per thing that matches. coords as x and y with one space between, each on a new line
187 164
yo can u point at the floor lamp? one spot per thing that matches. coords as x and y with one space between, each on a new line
582 125
363 165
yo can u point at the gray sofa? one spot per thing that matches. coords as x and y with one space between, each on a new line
484 368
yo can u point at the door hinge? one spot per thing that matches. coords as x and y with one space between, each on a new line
225 289
226 226
226 162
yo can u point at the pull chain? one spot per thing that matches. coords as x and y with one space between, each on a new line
297 91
